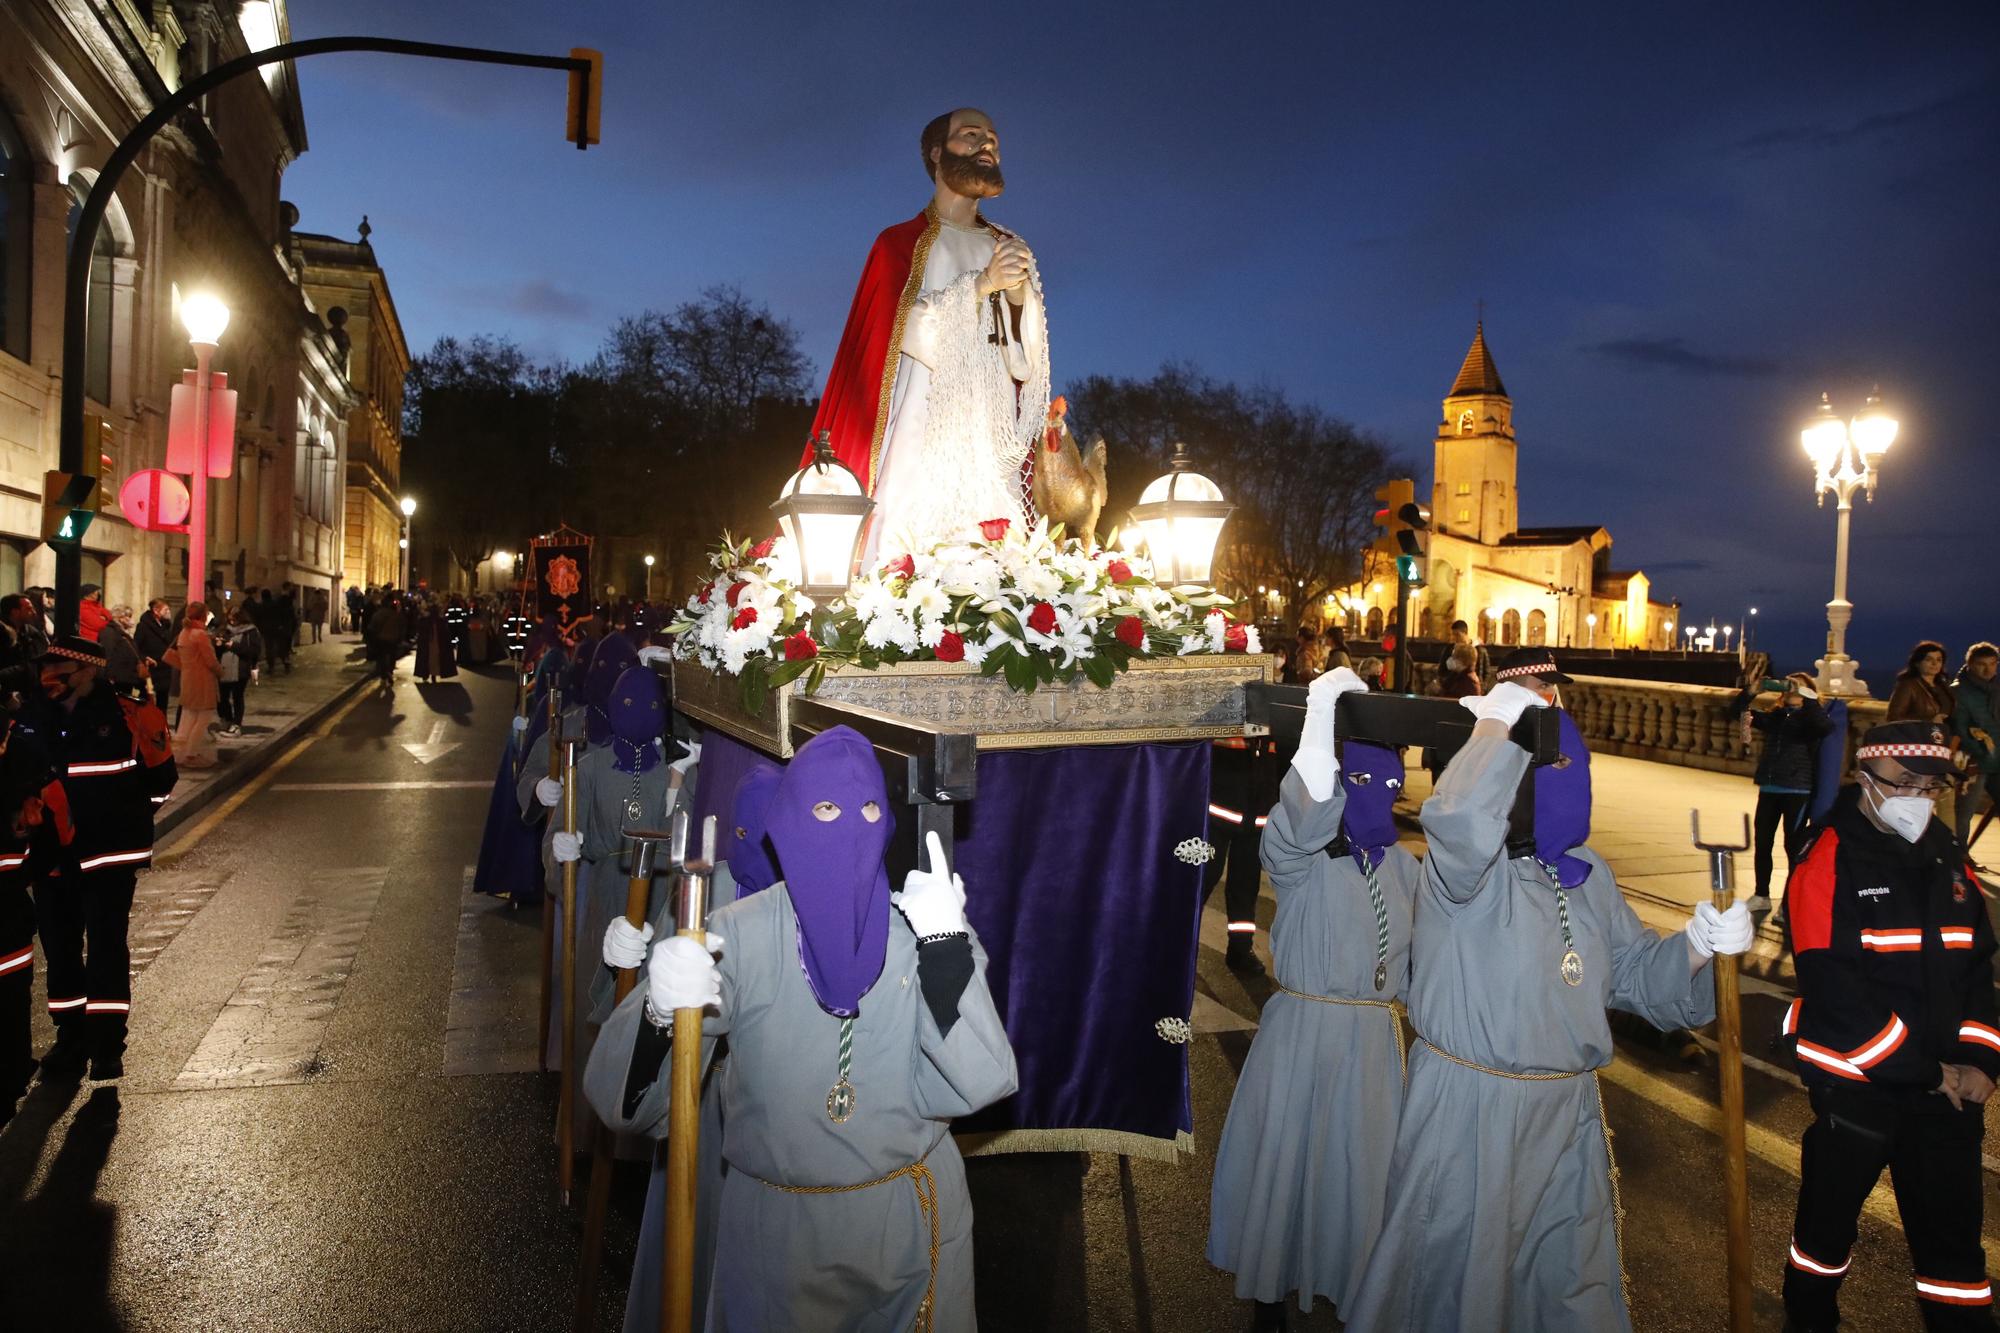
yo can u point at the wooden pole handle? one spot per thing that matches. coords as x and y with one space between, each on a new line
1735 1164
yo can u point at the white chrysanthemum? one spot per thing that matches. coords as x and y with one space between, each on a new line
925 597
1216 626
975 653
1040 582
1252 643
931 634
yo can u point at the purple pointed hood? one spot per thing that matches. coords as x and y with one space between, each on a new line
1562 807
1373 778
751 863
613 658
638 712
833 866
579 666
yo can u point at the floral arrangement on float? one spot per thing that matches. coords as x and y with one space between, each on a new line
1027 604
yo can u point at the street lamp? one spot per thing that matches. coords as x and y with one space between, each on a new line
821 511
1591 620
409 511
1844 455
1670 635
649 578
1689 631
1182 515
1726 632
204 316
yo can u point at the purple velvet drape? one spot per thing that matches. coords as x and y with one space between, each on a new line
1089 920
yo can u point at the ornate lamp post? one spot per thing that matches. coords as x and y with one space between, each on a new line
821 512
649 578
1844 455
409 512
1182 515
1591 621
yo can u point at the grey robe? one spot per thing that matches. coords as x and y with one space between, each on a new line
1302 1172
1502 1211
850 1262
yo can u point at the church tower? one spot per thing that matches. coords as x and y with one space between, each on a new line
1472 491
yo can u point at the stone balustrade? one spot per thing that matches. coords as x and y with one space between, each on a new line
1690 725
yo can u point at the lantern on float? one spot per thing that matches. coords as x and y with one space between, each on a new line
1182 515
822 511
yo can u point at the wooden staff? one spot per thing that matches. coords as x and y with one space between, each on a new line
565 1131
548 904
1729 1035
638 891
684 1108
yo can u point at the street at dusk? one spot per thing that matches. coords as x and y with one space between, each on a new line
1204 669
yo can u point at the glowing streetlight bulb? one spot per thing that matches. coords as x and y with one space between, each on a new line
409 507
204 316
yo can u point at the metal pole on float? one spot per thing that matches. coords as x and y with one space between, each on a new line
566 1105
638 891
1729 1037
684 1108
548 899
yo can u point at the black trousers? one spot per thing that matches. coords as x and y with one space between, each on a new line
83 919
1932 1153
17 980
1775 810
229 701
1238 798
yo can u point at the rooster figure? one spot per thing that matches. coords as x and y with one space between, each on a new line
1068 482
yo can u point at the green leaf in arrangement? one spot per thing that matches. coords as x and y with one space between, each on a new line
816 677
1101 671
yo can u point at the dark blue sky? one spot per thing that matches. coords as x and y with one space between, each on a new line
1684 226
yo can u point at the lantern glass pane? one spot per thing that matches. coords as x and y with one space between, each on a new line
826 547
1195 540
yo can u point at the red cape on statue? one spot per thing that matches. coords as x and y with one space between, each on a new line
855 397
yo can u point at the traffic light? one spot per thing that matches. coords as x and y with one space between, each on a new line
586 96
1413 544
1391 500
67 506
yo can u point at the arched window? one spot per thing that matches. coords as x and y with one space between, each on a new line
1465 422
1374 622
1510 628
98 313
1538 629
1487 626
1424 623
17 210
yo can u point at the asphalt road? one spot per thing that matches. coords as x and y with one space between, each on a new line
331 1119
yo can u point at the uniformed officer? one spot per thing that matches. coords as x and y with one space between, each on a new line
112 758
1898 1040
33 829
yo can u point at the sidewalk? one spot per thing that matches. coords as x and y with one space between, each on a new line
275 710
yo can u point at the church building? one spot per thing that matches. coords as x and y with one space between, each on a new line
1512 584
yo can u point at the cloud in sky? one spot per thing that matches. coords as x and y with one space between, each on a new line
1674 354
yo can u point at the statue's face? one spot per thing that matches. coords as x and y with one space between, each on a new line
969 161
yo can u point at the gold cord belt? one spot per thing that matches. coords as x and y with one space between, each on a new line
927 1203
1506 1073
1396 1012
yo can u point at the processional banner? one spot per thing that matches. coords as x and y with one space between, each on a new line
561 571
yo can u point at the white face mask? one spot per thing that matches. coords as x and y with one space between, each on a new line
1908 815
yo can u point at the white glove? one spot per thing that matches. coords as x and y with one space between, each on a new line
520 725
933 901
688 760
1505 704
567 847
1316 760
683 975
625 945
1711 932
549 792
653 652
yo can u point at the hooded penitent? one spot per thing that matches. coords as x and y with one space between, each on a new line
1562 807
638 713
831 854
751 863
579 665
613 658
1373 777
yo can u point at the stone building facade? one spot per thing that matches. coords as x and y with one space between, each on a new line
198 209
1510 584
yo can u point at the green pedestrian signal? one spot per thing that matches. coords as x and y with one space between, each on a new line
66 507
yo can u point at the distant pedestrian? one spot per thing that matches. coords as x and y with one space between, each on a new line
1921 695
385 634
357 602
29 843
1976 719
1370 671
1336 648
285 625
237 659
91 613
193 656
436 656
121 655
153 635
1309 659
1461 638
1792 729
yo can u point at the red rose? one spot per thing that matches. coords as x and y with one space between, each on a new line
744 618
800 646
1132 633
1042 619
763 548
993 529
1118 571
1235 639
903 566
735 591
706 589
951 648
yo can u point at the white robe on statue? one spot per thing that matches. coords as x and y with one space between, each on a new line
965 409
